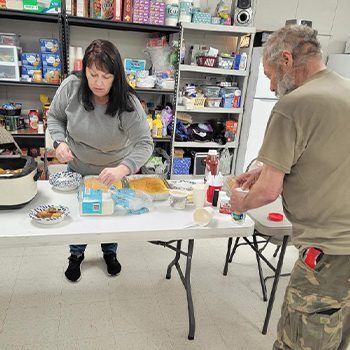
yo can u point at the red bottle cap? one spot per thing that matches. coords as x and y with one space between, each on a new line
275 216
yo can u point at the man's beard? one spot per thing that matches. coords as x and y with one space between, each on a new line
285 83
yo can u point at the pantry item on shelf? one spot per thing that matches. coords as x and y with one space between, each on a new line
228 91
153 185
171 12
78 59
49 214
215 20
65 180
211 91
230 130
127 10
49 45
225 61
145 82
141 11
33 116
193 103
9 39
237 61
222 10
201 17
196 7
213 102
185 11
243 61
157 13
207 61
37 76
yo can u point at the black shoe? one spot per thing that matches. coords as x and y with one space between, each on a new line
73 272
113 266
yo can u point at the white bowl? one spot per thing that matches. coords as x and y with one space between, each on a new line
48 221
65 180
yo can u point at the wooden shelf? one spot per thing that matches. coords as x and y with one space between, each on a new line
193 144
208 70
210 110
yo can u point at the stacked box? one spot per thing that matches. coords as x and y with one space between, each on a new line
49 46
157 13
127 11
141 11
51 60
201 17
181 166
37 6
31 60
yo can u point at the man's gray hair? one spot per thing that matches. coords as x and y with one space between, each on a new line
300 40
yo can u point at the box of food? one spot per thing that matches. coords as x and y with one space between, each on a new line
52 75
42 6
157 13
31 60
127 12
131 64
28 71
141 11
14 5
50 60
49 46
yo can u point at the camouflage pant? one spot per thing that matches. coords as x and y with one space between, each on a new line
316 312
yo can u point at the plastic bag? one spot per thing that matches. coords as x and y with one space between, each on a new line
134 202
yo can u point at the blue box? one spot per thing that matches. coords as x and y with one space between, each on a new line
31 60
135 65
27 71
181 166
227 102
201 17
51 60
49 46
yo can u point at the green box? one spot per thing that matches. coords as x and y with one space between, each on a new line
42 6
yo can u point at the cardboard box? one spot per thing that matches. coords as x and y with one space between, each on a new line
52 75
50 60
118 10
28 71
42 6
49 46
127 12
31 60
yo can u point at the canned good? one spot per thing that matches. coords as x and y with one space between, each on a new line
238 217
11 123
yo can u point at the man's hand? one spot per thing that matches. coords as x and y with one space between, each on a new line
247 180
63 153
110 175
236 201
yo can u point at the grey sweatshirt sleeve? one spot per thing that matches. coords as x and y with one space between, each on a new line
136 126
57 118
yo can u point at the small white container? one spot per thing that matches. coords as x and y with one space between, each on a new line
178 199
203 216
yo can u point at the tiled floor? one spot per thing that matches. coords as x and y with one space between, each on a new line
139 309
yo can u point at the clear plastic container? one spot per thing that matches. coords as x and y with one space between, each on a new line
213 102
211 91
228 91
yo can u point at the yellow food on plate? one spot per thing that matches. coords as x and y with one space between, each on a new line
150 185
49 213
93 184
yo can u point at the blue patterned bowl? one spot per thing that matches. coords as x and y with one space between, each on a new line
37 214
65 180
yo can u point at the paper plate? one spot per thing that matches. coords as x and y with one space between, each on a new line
43 209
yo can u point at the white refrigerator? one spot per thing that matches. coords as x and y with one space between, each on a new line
257 108
340 63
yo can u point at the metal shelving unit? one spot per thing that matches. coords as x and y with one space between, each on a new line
28 84
240 76
29 16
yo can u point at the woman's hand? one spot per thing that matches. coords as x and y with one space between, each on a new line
247 180
110 175
63 153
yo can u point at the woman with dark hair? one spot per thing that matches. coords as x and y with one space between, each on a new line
99 127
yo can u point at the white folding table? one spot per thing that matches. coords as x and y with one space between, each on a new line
163 226
281 230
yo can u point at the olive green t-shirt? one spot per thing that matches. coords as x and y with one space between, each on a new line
308 139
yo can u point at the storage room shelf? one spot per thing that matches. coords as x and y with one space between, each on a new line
29 16
220 29
154 91
25 83
135 27
208 70
210 110
163 139
193 144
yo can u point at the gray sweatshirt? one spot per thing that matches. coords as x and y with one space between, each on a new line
96 139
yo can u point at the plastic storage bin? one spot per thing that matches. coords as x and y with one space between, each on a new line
9 63
181 166
211 91
213 102
228 91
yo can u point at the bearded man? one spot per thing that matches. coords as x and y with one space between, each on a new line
306 159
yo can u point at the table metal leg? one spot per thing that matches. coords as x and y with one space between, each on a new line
276 251
229 244
275 284
191 319
175 261
234 250
261 275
